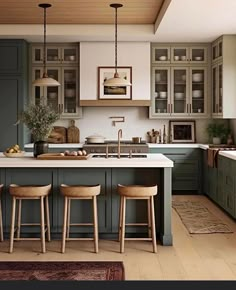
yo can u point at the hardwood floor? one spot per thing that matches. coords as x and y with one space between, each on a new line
192 257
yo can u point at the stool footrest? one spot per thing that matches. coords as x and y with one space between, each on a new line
137 224
79 239
83 224
27 239
138 239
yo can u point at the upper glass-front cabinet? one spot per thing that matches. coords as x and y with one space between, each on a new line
217 89
55 54
161 54
217 50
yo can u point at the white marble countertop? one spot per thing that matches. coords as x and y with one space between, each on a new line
157 160
229 154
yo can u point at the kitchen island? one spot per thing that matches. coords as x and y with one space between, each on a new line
153 168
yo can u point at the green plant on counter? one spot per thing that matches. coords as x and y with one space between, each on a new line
217 130
39 119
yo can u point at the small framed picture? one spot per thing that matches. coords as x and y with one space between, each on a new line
114 93
182 131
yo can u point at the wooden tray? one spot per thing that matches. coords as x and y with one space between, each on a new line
57 156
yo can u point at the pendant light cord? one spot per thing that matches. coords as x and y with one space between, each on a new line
44 43
116 40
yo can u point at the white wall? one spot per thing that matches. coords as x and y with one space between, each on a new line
96 120
134 54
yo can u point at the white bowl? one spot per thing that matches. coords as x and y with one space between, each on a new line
70 93
183 57
176 57
183 77
163 57
197 94
197 58
157 77
163 95
197 77
179 96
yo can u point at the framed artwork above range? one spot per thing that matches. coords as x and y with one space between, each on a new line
114 93
182 131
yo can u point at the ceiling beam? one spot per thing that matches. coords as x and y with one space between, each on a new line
161 14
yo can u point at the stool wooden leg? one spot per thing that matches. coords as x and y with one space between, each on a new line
149 218
48 219
1 227
153 225
68 219
95 224
120 217
122 242
42 225
13 215
63 243
19 218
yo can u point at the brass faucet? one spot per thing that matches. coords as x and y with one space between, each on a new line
118 147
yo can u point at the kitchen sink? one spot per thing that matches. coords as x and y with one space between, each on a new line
121 156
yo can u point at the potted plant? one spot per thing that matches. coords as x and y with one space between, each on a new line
39 119
217 131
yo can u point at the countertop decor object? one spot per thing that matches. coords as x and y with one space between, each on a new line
182 131
39 119
45 81
116 80
95 139
14 155
73 133
217 131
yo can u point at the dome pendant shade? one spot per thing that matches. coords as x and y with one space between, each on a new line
45 81
116 81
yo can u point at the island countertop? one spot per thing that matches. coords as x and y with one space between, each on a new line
157 160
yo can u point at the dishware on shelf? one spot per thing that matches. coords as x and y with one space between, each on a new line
183 57
183 77
156 94
162 57
197 58
157 77
52 95
197 94
163 95
197 77
179 96
176 57
70 93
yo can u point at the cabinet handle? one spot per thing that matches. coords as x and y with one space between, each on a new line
171 108
61 108
190 108
168 108
217 108
186 108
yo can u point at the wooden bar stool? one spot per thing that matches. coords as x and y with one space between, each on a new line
30 192
79 192
1 226
137 192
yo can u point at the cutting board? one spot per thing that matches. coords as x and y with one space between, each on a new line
73 134
58 156
58 135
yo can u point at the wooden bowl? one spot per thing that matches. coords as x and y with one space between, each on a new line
13 155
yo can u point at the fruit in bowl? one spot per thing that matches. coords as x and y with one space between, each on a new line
14 151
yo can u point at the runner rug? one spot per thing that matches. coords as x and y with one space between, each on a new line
72 271
197 218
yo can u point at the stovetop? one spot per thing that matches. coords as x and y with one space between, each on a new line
124 142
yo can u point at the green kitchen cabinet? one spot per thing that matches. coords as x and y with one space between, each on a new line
186 173
13 91
226 184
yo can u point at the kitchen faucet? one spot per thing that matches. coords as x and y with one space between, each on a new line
118 146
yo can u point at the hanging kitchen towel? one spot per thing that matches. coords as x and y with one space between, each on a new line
73 134
212 157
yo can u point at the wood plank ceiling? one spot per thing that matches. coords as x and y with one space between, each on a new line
79 11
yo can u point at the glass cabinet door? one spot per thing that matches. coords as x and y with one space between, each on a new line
161 54
69 55
198 54
161 90
220 87
37 92
179 104
215 89
179 54
198 90
37 54
53 54
69 91
53 93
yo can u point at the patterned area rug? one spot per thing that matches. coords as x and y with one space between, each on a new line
197 218
72 271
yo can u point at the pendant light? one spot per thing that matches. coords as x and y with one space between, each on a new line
116 80
45 81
